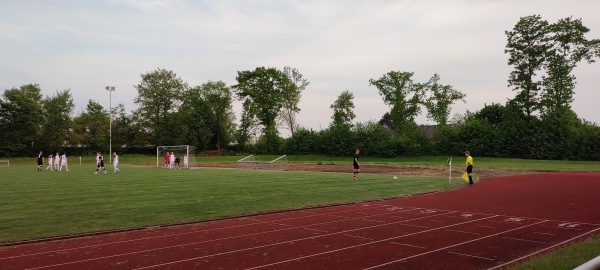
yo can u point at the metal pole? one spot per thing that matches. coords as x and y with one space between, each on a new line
110 89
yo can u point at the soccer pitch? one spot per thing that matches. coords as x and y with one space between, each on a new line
47 204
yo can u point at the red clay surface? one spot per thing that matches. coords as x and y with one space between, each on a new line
487 226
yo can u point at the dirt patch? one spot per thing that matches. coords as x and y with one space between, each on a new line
392 169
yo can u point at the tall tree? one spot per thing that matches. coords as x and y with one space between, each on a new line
402 95
343 107
58 109
91 127
247 128
291 98
159 95
20 118
265 88
440 98
527 46
569 48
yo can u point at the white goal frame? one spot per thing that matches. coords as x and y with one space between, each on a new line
280 163
4 163
189 150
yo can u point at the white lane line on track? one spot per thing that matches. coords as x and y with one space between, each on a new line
258 222
524 240
365 244
463 232
359 237
396 243
489 227
472 256
551 234
227 238
544 250
455 245
481 213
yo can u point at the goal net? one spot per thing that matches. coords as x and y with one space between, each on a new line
179 152
251 162
4 163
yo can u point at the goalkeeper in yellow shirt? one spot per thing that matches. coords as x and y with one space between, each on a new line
469 166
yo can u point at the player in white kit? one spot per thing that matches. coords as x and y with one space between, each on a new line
115 162
56 161
63 162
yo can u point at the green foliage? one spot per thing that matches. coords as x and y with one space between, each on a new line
527 45
402 95
265 88
291 98
21 117
58 109
159 97
304 141
91 126
440 98
343 107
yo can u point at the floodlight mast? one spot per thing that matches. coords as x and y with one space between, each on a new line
110 89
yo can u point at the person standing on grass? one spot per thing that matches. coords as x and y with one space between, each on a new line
56 161
49 167
172 161
469 166
115 162
185 161
40 161
99 163
63 162
167 160
356 164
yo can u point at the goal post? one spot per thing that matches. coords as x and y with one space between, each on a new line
4 163
179 151
278 164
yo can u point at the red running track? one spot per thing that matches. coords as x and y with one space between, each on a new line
487 226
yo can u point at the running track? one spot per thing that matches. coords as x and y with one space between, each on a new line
488 226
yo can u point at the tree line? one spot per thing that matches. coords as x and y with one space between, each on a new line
538 122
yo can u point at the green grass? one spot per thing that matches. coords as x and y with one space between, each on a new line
47 204
567 258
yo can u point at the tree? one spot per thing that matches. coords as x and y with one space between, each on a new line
265 89
402 95
20 118
291 98
159 95
58 109
91 126
248 125
343 108
441 97
569 47
527 46
218 115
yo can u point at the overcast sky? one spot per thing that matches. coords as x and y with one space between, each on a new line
337 45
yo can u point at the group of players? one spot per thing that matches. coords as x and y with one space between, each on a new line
171 161
56 162
100 163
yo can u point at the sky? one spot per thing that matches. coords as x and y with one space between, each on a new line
337 45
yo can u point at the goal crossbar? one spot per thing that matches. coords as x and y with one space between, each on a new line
270 164
188 150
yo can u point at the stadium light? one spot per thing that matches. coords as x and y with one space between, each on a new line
110 89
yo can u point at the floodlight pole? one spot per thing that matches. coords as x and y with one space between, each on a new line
110 89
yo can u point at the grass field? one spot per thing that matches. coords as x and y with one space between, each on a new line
47 204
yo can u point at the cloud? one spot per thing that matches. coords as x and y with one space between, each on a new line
337 45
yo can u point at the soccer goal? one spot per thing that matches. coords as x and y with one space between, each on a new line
277 164
180 151
4 163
